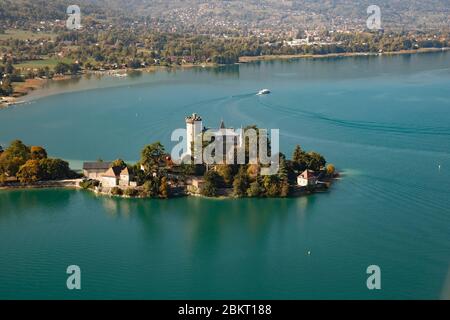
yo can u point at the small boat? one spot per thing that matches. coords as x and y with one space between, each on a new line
263 91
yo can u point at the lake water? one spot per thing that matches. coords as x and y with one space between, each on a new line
383 121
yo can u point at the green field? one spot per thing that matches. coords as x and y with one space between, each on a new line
26 34
35 64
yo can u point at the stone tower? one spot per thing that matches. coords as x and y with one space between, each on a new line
194 128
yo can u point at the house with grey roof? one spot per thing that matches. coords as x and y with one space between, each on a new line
95 170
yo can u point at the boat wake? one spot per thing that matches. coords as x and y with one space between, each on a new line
363 125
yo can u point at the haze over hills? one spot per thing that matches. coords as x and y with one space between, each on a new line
185 15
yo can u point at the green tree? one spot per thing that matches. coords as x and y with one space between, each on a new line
30 172
271 186
226 172
241 183
255 189
299 159
116 191
55 169
164 189
119 163
16 155
284 188
62 68
152 157
38 153
151 188
212 183
315 161
283 171
6 86
131 192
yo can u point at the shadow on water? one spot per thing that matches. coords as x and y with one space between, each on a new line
17 202
204 223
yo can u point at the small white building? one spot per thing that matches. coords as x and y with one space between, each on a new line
307 178
124 178
95 170
110 178
115 177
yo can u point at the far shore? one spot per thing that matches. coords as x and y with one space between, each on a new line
30 85
247 59
23 89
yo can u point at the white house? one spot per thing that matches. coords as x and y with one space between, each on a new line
307 178
95 170
115 177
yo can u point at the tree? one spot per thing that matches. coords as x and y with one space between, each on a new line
226 172
38 153
62 68
315 161
119 163
297 155
212 183
164 188
255 189
330 169
55 169
241 183
284 188
131 192
16 155
152 156
30 172
283 171
299 159
74 68
271 186
6 86
116 191
151 188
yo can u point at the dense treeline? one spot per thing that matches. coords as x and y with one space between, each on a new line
31 164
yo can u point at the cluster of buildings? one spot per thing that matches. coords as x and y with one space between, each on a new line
195 128
108 175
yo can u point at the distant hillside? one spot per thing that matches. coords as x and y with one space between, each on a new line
229 14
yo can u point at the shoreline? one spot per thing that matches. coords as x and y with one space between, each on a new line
35 85
249 59
23 95
74 184
57 184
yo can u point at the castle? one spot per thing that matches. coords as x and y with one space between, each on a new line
196 130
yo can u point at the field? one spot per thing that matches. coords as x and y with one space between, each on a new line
36 64
26 34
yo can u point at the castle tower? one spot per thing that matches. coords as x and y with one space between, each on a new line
194 128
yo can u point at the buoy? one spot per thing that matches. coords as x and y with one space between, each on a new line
309 253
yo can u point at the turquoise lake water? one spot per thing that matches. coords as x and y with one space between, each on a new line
383 121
